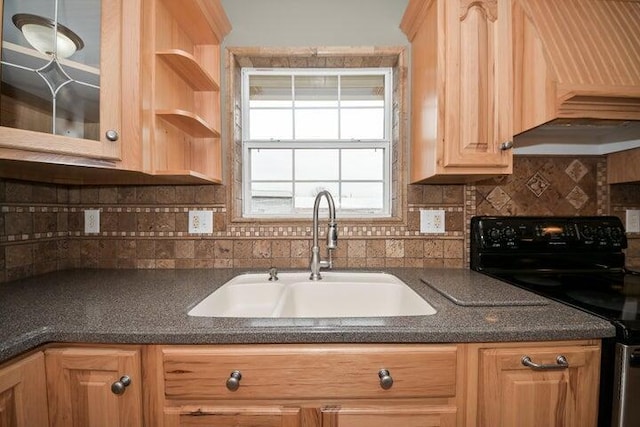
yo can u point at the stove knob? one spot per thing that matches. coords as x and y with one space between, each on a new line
616 234
587 232
601 233
509 233
494 235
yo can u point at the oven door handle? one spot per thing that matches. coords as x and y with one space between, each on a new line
561 363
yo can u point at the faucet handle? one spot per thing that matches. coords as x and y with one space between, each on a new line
273 274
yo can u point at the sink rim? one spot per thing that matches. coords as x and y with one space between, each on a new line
409 299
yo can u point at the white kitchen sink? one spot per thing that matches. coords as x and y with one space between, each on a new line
338 294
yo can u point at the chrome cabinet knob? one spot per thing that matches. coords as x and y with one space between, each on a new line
121 385
386 381
233 382
506 145
112 135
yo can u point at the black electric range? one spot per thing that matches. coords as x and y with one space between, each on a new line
578 261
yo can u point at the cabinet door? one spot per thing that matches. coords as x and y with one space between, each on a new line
79 385
233 416
66 105
478 85
384 416
23 396
512 394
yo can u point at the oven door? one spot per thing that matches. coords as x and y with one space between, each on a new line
626 393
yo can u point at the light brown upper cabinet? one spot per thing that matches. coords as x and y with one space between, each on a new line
461 89
181 88
576 59
131 94
76 99
623 166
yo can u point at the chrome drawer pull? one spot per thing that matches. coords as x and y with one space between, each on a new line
233 382
561 363
386 381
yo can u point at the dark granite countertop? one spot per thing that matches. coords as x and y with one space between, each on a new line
150 307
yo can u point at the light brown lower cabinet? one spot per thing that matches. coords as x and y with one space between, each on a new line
94 387
393 415
23 393
329 385
305 385
534 385
385 414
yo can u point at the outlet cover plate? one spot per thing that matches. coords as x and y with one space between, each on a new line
200 222
633 221
92 221
432 221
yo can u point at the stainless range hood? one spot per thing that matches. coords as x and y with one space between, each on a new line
577 73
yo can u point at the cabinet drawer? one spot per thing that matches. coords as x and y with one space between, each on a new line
309 372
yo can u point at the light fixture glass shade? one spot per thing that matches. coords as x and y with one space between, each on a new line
39 33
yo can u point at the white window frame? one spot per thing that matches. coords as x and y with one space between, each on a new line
385 143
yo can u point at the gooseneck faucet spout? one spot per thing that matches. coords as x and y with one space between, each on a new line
332 236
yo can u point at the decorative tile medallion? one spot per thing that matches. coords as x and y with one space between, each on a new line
577 197
498 198
576 170
537 184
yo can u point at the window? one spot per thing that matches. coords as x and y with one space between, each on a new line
305 130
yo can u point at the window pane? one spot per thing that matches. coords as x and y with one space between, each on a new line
271 198
363 164
306 192
316 124
362 195
301 137
270 91
362 123
317 165
271 164
362 91
270 124
316 91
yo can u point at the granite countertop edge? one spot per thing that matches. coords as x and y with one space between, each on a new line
150 307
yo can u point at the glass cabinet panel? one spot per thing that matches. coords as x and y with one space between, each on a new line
51 66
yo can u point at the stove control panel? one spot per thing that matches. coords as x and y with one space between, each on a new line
548 233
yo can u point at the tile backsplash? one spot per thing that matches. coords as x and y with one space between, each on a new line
41 225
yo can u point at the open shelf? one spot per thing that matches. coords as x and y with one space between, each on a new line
187 67
188 122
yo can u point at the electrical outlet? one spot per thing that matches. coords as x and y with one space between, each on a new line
200 222
633 221
91 221
432 221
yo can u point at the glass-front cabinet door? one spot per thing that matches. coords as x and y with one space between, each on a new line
61 73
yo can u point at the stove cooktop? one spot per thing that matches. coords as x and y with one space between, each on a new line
575 260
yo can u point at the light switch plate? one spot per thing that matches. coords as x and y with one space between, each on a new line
200 222
633 221
92 221
432 221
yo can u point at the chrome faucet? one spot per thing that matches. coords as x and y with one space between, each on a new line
332 236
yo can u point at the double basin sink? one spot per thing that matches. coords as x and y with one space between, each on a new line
293 295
